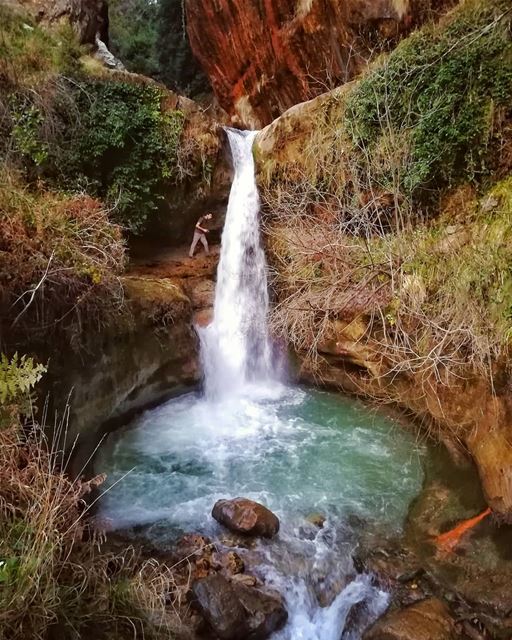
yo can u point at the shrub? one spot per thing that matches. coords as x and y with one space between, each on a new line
443 85
59 256
113 136
124 149
53 578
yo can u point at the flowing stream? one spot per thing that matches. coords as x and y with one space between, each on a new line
298 451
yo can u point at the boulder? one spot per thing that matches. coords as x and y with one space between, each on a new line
235 611
265 611
246 516
216 598
316 519
429 619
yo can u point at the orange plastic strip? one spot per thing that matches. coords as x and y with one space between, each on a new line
449 540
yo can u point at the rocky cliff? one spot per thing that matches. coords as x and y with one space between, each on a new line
263 56
88 18
391 254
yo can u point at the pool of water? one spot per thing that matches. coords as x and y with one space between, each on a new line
298 451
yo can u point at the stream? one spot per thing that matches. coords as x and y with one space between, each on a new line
249 433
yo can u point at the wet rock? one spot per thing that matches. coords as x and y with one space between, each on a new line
235 611
217 600
316 519
266 611
427 620
229 563
245 579
246 516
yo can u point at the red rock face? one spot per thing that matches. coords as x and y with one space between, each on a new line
264 56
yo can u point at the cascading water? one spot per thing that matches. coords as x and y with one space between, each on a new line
297 451
235 347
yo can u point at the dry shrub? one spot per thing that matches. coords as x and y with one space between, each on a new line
53 577
353 189
59 262
437 297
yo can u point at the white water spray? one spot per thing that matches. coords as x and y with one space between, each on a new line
235 347
237 362
299 453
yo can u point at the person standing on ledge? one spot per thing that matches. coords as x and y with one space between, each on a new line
200 235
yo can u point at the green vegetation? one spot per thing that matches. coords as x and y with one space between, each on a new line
426 117
29 55
17 377
395 205
124 149
439 92
110 135
150 38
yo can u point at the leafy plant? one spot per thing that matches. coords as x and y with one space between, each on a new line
442 85
17 376
27 122
125 148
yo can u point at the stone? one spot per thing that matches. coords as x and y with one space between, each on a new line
235 611
429 619
245 579
262 57
229 563
266 611
217 600
316 519
246 516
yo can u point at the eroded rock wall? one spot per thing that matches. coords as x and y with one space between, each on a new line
151 355
89 18
263 56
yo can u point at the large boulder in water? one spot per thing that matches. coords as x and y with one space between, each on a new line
237 612
429 619
246 516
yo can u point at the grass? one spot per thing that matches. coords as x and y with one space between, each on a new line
54 579
29 55
436 298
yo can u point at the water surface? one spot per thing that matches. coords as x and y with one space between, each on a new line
298 451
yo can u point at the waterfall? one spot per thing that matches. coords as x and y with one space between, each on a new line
235 347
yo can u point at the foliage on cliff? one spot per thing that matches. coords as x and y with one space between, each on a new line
391 201
438 96
424 118
79 128
124 148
